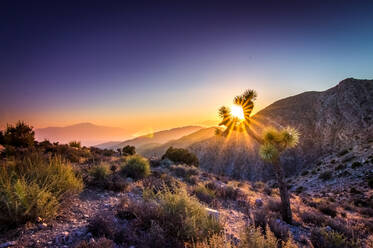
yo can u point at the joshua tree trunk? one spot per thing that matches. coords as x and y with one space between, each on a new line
285 200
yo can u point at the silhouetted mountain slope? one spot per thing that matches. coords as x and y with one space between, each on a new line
158 138
328 121
88 133
182 142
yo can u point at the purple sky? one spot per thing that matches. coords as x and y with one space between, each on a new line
156 64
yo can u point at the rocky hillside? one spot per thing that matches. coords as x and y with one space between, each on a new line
329 121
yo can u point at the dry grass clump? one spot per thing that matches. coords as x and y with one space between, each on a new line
178 216
101 227
253 237
162 182
323 238
204 194
34 187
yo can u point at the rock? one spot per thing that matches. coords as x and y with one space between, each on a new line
8 244
213 212
258 202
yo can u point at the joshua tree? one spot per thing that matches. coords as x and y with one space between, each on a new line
272 142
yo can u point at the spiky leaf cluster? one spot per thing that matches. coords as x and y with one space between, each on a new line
276 141
246 101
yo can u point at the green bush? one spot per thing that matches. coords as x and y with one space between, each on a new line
182 156
34 187
136 167
99 172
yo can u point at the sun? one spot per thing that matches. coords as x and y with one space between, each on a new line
237 112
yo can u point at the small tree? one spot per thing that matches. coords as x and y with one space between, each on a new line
129 150
273 142
180 155
21 135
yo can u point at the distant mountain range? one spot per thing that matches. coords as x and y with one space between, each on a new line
151 140
88 133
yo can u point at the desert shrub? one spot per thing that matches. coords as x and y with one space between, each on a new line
312 218
100 243
327 209
193 180
162 183
274 205
326 175
20 135
216 241
228 192
323 238
304 173
34 187
136 167
259 185
343 152
340 167
356 165
260 218
279 228
99 172
101 227
115 183
184 171
184 218
129 150
204 194
180 155
254 238
75 144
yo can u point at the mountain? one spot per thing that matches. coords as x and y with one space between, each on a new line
182 142
158 138
88 133
328 121
108 144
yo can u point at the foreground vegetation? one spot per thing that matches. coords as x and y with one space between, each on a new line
163 203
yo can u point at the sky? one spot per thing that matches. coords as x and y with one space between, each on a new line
152 65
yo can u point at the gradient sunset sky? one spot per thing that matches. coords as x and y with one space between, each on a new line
151 65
